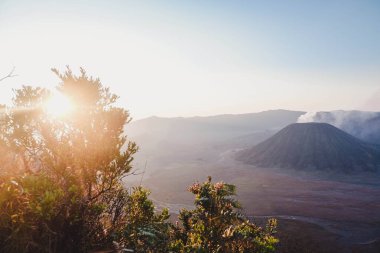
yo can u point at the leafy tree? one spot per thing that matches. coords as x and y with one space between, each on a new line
215 225
62 183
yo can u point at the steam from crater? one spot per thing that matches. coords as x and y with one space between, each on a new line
363 125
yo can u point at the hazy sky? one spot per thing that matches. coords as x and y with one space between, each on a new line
185 58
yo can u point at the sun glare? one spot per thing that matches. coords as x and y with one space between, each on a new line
58 105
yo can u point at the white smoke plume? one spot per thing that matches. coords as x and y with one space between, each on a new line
363 125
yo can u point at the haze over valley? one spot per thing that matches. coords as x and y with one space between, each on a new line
301 193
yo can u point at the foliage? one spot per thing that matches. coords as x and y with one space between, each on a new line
61 178
215 225
61 187
145 230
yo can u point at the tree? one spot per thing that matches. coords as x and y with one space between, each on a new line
64 175
215 225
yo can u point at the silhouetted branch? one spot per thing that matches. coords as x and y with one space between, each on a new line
143 173
9 75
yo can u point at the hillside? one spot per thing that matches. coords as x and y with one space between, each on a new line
313 146
211 128
172 140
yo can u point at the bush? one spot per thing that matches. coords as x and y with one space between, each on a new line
215 225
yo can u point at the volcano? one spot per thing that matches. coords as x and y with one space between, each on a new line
314 146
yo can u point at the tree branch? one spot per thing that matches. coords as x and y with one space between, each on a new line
10 74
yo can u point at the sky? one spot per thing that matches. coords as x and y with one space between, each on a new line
188 58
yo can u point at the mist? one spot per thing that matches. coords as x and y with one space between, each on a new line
361 124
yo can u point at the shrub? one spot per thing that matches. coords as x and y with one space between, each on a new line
216 225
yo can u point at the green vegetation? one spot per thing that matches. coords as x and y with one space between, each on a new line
215 226
61 187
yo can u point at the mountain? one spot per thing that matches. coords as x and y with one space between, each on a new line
314 146
158 134
165 141
233 123
211 128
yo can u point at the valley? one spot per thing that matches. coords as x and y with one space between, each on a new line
337 210
338 206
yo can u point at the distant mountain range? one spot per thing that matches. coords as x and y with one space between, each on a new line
156 135
212 128
314 146
166 141
172 140
246 128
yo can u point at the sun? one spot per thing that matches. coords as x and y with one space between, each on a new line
58 105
